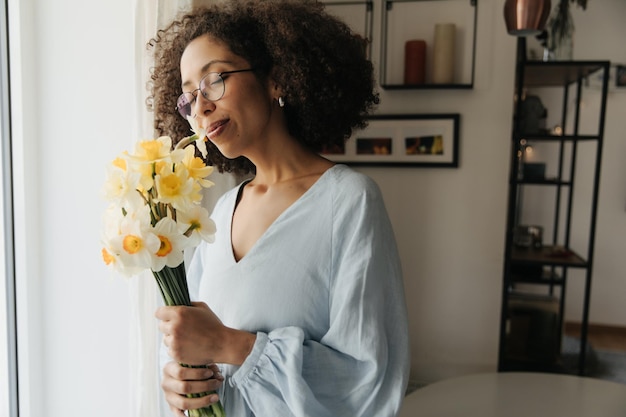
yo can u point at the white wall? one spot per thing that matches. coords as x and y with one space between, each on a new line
76 82
450 222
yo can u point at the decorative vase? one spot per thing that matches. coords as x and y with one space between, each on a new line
526 17
560 34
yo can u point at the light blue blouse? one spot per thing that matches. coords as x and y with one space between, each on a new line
322 289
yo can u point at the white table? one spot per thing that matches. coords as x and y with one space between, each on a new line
517 394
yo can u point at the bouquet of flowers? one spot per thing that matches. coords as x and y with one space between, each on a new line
155 214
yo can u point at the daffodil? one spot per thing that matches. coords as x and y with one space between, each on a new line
175 187
197 224
121 186
199 135
173 243
198 170
137 241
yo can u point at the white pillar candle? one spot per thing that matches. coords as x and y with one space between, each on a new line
443 53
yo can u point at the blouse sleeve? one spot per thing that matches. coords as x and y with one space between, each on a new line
360 367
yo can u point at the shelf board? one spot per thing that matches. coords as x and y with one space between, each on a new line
548 255
427 86
545 181
559 73
547 278
547 137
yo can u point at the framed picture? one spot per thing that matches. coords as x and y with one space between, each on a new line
415 140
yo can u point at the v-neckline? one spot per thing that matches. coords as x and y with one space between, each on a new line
274 223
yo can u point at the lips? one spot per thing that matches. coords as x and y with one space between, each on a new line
216 128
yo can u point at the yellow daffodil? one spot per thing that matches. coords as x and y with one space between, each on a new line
153 150
198 170
176 188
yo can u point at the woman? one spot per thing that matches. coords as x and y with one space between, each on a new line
301 298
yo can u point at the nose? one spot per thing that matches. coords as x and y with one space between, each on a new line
202 105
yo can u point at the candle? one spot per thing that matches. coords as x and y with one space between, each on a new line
443 53
415 62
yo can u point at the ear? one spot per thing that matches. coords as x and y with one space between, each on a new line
275 90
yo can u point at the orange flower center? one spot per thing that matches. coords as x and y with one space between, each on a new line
132 244
166 246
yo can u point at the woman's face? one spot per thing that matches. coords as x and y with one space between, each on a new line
242 115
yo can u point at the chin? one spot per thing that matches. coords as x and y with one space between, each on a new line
225 151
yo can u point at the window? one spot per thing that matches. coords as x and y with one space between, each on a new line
8 355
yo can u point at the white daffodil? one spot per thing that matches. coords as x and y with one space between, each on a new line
135 242
121 187
199 135
173 243
196 224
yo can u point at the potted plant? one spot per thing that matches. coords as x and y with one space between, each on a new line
558 38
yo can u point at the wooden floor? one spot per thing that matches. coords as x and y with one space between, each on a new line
601 337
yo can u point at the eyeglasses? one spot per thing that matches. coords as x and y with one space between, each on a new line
212 88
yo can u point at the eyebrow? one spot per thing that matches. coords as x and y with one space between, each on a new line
205 69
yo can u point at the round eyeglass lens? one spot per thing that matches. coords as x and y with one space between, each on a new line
183 104
212 86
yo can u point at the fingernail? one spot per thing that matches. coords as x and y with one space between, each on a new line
214 398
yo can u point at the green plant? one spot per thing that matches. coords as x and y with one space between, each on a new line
560 25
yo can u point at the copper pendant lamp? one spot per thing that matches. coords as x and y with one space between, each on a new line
526 17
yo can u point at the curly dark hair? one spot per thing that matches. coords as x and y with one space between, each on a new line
317 60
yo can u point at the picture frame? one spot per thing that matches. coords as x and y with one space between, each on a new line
410 140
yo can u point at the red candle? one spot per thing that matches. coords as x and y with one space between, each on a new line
415 62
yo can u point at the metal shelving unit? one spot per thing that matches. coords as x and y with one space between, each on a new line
548 266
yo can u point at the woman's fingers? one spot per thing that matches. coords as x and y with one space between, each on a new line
190 387
184 387
178 402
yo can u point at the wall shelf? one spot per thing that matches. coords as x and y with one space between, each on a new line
557 73
403 20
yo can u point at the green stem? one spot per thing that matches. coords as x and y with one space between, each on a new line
172 283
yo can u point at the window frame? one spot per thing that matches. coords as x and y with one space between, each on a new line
7 259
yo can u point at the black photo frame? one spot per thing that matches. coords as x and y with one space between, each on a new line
411 140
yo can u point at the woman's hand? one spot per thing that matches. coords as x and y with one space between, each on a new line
179 381
196 336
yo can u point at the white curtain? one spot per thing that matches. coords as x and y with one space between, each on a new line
146 396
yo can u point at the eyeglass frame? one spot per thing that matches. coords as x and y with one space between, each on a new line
195 96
